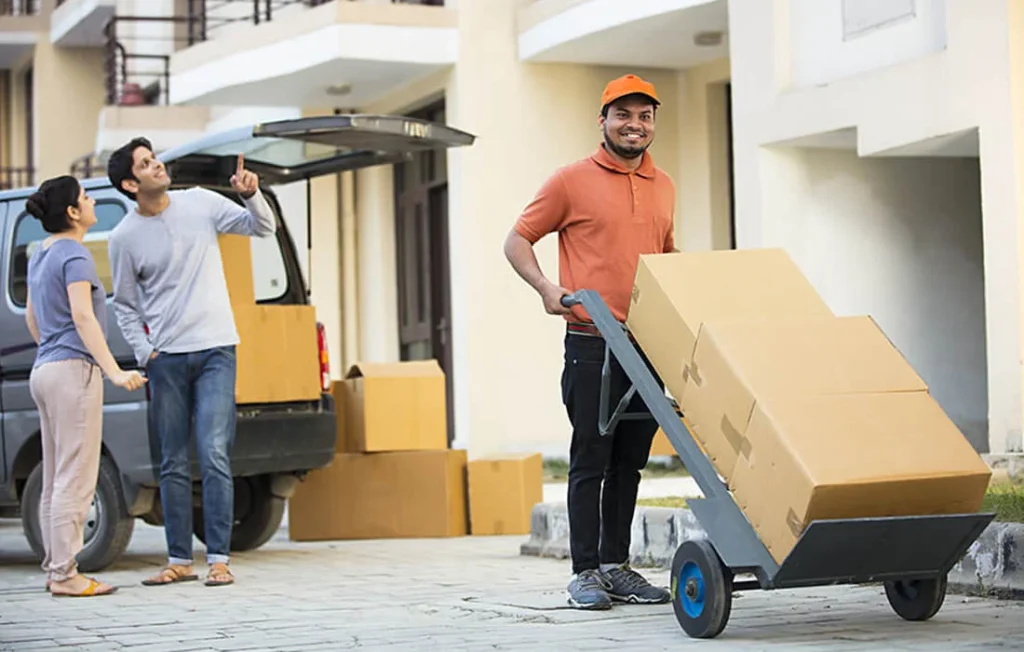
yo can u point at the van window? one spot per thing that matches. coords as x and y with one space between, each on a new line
269 275
29 233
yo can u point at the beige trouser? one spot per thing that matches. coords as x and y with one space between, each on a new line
69 395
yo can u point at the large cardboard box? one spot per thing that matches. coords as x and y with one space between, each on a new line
236 258
853 456
738 363
277 358
397 406
502 493
382 495
673 294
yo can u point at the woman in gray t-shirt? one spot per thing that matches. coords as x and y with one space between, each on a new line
66 315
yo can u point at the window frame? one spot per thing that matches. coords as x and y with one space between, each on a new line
12 243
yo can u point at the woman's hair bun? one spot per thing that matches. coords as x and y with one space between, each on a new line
37 205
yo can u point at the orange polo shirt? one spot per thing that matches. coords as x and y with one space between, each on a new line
605 217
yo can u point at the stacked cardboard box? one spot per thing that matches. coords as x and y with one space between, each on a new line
393 474
503 491
277 358
805 415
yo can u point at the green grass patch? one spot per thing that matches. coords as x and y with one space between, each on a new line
675 502
1007 501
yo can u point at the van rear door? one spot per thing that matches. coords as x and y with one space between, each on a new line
292 150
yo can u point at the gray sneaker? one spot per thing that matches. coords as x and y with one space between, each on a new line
588 590
626 585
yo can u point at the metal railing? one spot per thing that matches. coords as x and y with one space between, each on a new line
20 7
14 177
87 166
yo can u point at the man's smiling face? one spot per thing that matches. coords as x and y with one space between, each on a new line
629 126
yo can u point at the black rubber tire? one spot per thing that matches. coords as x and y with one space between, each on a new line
258 514
916 599
703 610
114 530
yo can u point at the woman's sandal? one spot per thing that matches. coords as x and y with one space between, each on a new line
172 574
219 575
94 589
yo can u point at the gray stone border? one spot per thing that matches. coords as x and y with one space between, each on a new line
993 566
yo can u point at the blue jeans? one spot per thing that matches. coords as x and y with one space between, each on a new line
195 389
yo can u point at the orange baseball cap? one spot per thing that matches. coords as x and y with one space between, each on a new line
628 85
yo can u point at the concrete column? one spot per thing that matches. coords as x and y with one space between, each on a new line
377 277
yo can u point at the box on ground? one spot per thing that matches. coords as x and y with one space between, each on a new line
278 358
382 495
502 493
853 456
737 363
236 258
396 406
673 294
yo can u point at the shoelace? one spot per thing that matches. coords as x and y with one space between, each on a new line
591 580
629 577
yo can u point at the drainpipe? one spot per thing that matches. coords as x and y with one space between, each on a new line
349 282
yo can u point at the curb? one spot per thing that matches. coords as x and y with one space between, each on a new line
993 566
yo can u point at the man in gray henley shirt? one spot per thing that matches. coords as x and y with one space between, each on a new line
171 302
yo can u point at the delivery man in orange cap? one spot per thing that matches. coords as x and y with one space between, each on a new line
607 209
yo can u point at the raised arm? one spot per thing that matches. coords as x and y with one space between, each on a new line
256 219
126 301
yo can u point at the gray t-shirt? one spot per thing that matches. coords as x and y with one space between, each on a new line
50 271
168 274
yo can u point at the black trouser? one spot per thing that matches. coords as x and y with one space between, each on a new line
596 516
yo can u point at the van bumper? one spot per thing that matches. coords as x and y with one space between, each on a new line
280 441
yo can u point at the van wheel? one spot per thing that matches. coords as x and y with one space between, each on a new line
258 514
108 528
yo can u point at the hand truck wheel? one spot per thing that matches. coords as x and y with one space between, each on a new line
701 589
916 599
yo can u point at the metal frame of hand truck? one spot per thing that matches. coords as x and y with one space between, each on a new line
911 554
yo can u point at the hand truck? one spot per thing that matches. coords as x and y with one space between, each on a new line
911 555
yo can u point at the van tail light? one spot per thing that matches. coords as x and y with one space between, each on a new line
325 359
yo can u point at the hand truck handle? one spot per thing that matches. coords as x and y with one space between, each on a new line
570 300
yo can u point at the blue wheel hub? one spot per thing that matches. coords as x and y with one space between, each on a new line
691 580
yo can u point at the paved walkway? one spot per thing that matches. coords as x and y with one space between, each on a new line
457 594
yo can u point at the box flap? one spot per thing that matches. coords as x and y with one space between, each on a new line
407 369
734 284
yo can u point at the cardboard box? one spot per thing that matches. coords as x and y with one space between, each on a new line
737 363
397 406
673 294
502 493
853 456
382 495
662 446
236 258
278 358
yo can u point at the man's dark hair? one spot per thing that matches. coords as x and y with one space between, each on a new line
119 166
631 96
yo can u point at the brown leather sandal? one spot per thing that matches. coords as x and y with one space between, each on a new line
219 575
172 574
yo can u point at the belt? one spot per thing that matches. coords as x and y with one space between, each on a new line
589 330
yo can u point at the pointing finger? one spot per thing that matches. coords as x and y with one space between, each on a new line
241 163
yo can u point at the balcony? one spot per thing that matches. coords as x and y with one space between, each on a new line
20 21
80 23
674 34
313 53
12 177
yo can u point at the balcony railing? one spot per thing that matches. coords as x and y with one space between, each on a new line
20 7
87 166
142 78
11 177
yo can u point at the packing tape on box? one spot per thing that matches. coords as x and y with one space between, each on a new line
691 371
795 524
739 443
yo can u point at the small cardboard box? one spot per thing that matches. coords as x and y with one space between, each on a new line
397 406
277 358
502 493
737 363
853 456
382 495
673 294
236 258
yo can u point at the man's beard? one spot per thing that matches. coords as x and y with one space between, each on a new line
624 151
